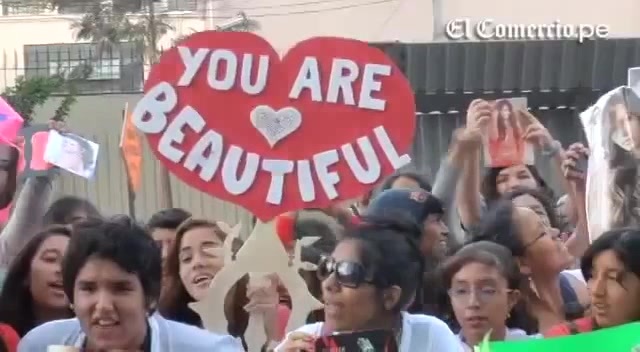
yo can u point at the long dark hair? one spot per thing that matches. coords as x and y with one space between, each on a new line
489 188
11 168
16 300
502 128
542 198
61 211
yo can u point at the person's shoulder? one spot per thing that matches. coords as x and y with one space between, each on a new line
56 332
435 333
191 338
426 321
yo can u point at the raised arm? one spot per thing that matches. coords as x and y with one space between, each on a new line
578 242
25 220
468 197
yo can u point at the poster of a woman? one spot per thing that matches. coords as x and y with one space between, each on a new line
612 128
505 145
72 153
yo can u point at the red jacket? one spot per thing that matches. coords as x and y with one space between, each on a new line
9 337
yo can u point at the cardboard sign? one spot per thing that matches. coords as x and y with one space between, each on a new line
326 122
10 122
364 341
505 145
72 153
613 146
35 142
625 338
261 255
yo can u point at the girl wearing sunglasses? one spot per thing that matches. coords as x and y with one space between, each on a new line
371 277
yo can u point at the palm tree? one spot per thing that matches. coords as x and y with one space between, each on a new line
107 25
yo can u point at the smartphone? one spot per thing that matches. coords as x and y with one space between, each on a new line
364 341
582 164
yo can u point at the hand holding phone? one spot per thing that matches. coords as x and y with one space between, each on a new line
576 163
582 164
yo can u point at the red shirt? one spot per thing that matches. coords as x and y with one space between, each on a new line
571 328
9 337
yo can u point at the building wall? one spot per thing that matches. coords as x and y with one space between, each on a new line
285 23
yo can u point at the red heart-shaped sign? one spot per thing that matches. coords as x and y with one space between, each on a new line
226 115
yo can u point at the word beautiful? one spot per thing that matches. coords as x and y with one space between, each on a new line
208 152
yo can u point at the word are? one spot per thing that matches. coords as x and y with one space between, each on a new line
225 71
208 153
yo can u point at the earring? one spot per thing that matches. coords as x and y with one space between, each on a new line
71 306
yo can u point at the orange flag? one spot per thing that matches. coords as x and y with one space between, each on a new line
131 147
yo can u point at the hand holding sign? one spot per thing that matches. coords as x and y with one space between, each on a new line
534 131
226 115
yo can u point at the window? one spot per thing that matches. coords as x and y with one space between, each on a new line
82 7
185 5
23 7
120 70
105 69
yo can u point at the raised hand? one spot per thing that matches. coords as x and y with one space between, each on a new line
535 132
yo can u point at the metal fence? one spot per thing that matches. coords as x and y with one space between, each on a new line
118 69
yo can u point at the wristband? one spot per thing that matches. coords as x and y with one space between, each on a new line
552 149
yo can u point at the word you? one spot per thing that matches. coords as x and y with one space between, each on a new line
489 29
225 69
211 155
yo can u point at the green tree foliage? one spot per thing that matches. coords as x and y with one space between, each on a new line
28 94
108 23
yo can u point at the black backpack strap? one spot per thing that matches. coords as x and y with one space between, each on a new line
573 309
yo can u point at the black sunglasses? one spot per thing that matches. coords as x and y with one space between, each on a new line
348 274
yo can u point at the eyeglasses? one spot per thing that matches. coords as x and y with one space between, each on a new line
348 274
540 236
483 294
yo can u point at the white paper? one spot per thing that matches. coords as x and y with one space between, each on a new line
72 153
633 79
608 131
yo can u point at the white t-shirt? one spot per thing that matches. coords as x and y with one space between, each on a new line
577 274
512 335
420 333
